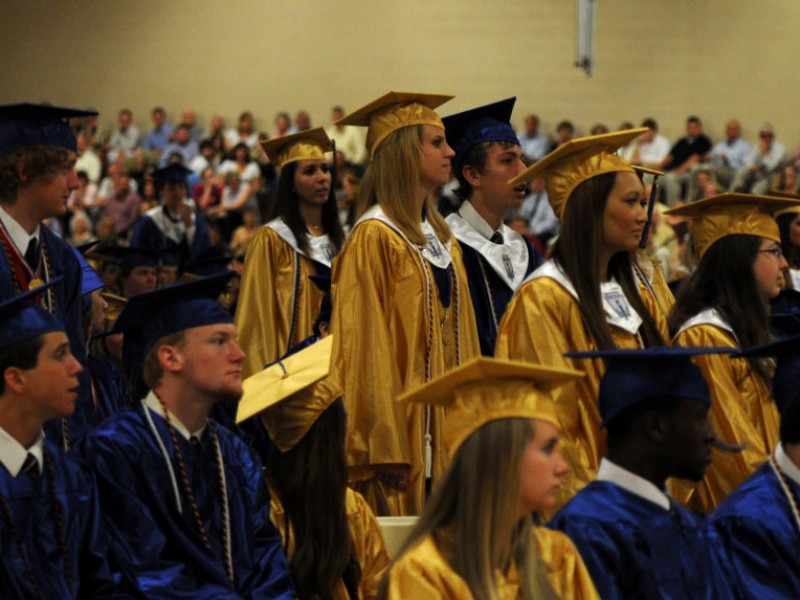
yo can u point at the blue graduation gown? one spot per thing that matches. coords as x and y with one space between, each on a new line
498 289
760 537
147 234
633 548
31 507
160 550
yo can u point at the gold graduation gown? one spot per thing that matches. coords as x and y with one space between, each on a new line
369 546
391 334
423 572
742 411
542 322
275 288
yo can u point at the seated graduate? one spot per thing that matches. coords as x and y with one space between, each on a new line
497 259
759 522
185 500
636 541
334 543
51 536
476 537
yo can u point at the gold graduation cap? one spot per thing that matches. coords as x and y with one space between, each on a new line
487 389
580 159
306 145
732 214
393 111
291 394
785 211
115 305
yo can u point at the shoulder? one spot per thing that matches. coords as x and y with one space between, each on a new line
124 429
754 501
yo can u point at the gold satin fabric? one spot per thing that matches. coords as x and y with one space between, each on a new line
542 322
381 331
742 410
424 573
368 543
266 301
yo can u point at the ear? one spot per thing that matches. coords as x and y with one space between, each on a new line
14 379
22 173
472 175
170 358
656 426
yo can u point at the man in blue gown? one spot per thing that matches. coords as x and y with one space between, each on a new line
635 540
51 536
496 258
186 504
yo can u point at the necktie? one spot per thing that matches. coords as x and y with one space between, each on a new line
32 254
497 238
30 467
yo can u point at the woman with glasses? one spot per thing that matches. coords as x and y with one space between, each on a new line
725 302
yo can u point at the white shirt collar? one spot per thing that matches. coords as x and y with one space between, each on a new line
18 235
786 464
13 454
631 482
153 403
479 224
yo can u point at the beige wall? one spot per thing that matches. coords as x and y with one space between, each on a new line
660 58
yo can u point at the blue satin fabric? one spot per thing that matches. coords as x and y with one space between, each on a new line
147 234
498 289
760 537
31 506
633 548
159 550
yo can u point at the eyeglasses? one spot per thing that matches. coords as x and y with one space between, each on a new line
776 252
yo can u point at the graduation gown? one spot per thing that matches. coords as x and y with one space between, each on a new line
159 548
385 342
423 572
158 230
278 303
494 273
543 321
31 506
760 537
634 548
368 543
742 410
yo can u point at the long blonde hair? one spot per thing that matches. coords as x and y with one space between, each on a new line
392 180
472 514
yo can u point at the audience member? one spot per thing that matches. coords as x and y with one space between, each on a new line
349 140
764 160
124 139
684 154
651 147
535 144
182 144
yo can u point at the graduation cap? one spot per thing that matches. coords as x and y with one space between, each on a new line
786 381
130 257
210 262
637 375
305 145
291 394
785 313
393 111
149 316
579 160
115 304
172 173
21 318
487 123
719 216
488 389
90 280
25 124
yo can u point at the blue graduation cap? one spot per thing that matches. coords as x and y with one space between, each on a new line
90 280
21 318
148 317
172 173
130 257
488 123
786 382
168 256
638 375
25 124
210 262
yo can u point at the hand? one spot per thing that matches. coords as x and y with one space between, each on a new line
394 476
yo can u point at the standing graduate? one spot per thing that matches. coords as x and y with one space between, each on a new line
176 222
333 541
635 540
185 501
402 313
476 537
725 302
759 522
51 536
277 302
496 258
596 291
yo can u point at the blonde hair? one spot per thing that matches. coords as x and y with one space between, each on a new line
392 181
472 514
